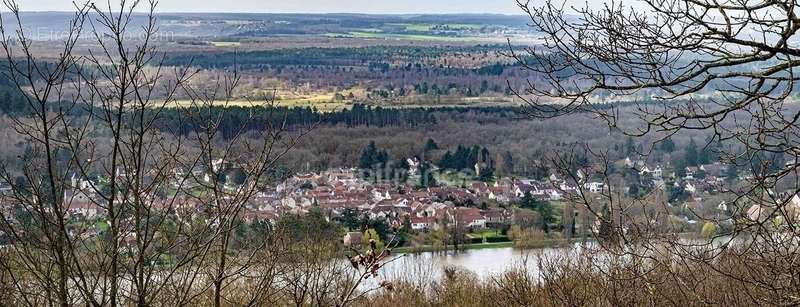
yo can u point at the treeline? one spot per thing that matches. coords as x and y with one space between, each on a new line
362 56
234 119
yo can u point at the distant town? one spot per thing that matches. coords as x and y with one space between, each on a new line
437 207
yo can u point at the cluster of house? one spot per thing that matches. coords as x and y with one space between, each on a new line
695 179
338 190
343 190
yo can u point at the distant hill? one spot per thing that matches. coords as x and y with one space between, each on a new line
48 25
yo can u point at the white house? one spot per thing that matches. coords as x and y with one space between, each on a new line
555 195
690 188
423 223
594 187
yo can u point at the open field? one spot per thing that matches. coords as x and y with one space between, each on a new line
326 102
226 44
417 37
323 103
425 27
486 233
450 101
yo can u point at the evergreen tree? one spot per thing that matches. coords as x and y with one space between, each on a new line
691 155
540 170
399 170
261 228
447 161
680 166
630 146
382 158
372 157
431 145
368 156
508 163
402 164
677 194
546 213
473 158
379 225
487 174
6 103
426 178
704 156
405 231
527 201
667 145
349 218
486 156
458 158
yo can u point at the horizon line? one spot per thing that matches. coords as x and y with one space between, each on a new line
299 13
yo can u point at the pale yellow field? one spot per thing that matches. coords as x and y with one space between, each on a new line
326 103
226 44
322 103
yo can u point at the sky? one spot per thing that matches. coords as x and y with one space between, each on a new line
315 6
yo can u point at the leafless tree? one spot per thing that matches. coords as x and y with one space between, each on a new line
96 125
46 253
247 157
117 204
368 264
722 67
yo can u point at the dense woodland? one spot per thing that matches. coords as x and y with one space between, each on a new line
388 73
501 137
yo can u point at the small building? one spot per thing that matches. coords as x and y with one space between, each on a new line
594 187
423 223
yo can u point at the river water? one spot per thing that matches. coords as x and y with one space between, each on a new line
487 263
484 263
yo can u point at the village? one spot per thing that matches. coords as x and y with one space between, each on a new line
474 211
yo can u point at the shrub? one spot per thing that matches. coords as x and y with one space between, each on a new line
709 230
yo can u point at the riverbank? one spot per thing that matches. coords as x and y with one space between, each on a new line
477 246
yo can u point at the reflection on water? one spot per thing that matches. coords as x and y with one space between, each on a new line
424 268
483 262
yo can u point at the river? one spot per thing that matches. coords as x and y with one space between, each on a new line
484 263
491 262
